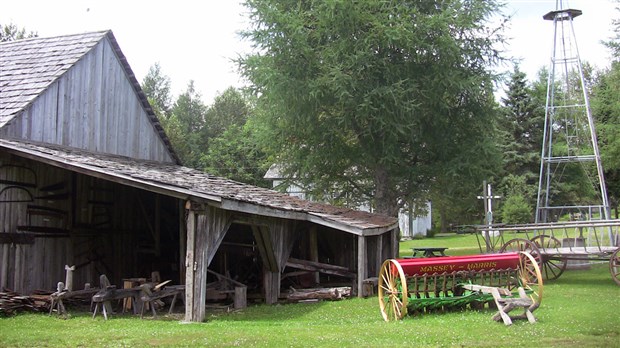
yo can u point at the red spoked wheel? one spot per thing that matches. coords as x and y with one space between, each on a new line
553 265
392 291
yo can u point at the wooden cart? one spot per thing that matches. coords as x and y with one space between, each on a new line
558 245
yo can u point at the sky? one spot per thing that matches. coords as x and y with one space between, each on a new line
197 40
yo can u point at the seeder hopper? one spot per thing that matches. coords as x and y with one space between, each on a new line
417 285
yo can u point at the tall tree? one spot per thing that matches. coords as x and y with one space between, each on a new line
606 107
188 120
521 127
230 132
10 32
605 103
230 108
377 94
156 86
236 155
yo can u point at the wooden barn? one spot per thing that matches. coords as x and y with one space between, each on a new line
89 178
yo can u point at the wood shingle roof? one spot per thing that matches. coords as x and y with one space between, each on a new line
187 183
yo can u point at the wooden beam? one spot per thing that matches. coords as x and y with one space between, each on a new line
16 238
182 242
263 242
189 265
157 225
271 284
313 242
319 267
362 270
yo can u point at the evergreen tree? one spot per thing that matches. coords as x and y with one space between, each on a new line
156 86
521 128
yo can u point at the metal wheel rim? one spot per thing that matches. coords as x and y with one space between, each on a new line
521 244
392 291
614 266
531 277
552 268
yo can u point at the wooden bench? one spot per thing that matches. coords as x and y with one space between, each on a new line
62 293
505 302
109 293
149 294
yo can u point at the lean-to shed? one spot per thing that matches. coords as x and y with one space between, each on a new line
89 178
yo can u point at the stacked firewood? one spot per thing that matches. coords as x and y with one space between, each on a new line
12 302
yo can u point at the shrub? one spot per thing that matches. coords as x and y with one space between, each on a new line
516 210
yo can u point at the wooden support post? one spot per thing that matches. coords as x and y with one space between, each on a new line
271 283
182 241
4 278
157 224
196 265
362 269
189 263
314 250
241 299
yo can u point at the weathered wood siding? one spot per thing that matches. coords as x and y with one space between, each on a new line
93 106
98 226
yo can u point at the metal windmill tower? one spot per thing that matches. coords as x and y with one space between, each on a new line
570 154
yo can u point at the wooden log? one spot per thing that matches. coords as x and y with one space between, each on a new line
337 293
320 267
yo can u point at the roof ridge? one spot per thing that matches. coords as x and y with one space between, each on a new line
21 41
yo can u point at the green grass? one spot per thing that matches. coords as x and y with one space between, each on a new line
581 309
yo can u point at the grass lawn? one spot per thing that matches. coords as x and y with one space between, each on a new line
581 309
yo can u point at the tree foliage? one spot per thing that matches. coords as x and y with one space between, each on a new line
606 107
156 86
379 95
230 108
10 32
520 128
516 210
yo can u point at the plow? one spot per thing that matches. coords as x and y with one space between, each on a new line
418 285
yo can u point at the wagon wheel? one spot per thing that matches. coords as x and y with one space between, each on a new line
392 291
614 266
552 268
530 276
519 244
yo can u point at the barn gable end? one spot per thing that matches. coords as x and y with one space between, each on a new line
78 91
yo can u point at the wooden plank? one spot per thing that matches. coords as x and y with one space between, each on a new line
15 238
44 231
264 248
313 242
362 265
320 267
200 267
189 264
271 284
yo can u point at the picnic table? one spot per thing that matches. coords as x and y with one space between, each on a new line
429 251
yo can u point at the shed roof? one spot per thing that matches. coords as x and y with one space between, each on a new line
28 67
187 183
